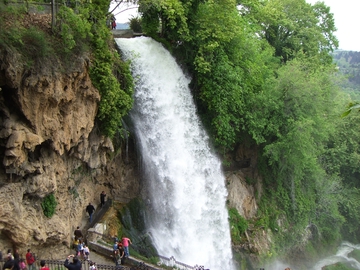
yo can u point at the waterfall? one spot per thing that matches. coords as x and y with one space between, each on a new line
185 186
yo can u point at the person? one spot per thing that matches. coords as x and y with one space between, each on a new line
117 258
102 198
75 244
86 252
74 265
92 266
113 22
122 254
9 264
90 209
16 254
22 264
115 246
126 242
80 249
9 254
78 234
30 259
43 265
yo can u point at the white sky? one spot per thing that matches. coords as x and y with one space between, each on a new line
347 22
124 12
346 14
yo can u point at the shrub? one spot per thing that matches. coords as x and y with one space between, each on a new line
238 225
49 205
135 24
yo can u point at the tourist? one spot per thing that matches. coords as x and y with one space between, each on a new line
115 246
9 254
42 265
117 258
122 254
9 264
86 252
90 209
22 264
102 198
77 233
30 259
16 254
92 266
74 265
80 249
126 242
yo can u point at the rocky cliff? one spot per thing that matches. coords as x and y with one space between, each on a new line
50 145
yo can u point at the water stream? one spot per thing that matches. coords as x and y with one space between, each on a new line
185 184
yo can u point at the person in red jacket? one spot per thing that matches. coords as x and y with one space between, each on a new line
30 260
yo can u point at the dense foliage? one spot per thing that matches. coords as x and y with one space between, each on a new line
349 66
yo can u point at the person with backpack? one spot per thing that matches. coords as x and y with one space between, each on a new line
30 260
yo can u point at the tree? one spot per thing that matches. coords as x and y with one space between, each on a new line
294 27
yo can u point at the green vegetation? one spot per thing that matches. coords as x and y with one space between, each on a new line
338 266
48 205
238 226
135 24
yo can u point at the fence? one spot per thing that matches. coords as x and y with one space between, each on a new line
59 265
172 262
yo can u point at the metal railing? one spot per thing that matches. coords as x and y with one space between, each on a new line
172 262
85 265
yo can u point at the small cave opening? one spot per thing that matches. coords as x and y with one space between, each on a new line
39 150
10 101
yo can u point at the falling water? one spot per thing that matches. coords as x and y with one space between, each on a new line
186 187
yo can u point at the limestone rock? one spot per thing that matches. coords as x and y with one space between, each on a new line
51 146
241 195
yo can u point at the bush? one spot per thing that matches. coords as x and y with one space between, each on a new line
135 24
49 205
238 225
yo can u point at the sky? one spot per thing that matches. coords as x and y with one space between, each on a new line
346 14
347 21
124 12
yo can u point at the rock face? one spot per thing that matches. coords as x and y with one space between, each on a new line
50 144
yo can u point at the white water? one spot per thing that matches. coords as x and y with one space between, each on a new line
186 187
340 256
